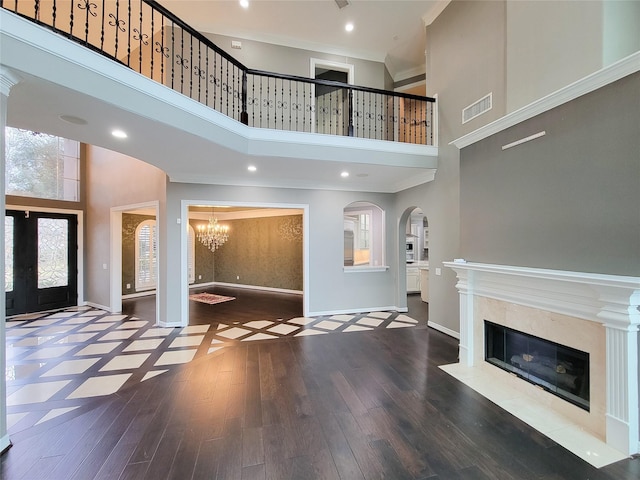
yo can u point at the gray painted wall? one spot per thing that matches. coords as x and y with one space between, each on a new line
296 61
114 180
621 30
577 38
462 68
330 289
562 39
569 200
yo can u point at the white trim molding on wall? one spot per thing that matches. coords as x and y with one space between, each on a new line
588 84
609 300
184 219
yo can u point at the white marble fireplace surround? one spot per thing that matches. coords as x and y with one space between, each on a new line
595 313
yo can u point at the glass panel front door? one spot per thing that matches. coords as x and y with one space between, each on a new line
41 261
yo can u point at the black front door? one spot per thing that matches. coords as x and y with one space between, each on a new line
41 261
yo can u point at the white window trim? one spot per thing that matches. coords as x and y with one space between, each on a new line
368 209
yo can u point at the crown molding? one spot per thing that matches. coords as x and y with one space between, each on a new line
8 78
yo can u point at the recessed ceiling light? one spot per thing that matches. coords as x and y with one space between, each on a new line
252 168
73 119
119 134
344 174
349 27
244 3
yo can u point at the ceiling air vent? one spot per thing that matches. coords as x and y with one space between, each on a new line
342 3
477 108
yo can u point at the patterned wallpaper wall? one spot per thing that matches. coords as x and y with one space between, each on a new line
204 258
265 252
129 224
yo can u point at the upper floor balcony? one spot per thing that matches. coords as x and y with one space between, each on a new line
196 103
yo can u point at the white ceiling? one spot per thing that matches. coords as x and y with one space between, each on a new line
390 31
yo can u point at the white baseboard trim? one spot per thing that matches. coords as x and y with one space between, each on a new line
445 330
98 306
352 311
169 325
256 287
199 285
138 294
5 443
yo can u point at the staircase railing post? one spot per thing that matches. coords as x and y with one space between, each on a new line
350 130
244 115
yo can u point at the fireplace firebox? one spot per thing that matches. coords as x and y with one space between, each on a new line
560 370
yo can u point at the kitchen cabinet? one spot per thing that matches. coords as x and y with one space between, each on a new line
413 279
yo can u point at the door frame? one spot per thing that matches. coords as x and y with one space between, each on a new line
338 66
115 242
80 238
184 220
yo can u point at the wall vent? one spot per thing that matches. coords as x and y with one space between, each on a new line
477 108
342 3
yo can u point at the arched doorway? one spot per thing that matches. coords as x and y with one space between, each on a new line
413 271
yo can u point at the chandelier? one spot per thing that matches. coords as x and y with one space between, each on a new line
213 235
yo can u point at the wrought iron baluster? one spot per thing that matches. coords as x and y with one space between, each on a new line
87 6
376 117
233 91
416 120
200 71
54 9
190 63
182 60
261 97
290 100
206 83
71 20
129 33
36 9
283 103
115 25
173 52
102 28
221 85
253 96
151 55
244 115
227 90
141 41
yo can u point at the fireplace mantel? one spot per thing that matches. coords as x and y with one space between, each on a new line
610 300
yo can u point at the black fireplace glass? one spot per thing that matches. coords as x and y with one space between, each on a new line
561 370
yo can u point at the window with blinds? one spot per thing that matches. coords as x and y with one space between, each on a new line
146 255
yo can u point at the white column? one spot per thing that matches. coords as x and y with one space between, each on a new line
465 289
621 318
7 80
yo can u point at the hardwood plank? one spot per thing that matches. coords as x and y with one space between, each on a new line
230 462
254 472
345 462
206 465
252 447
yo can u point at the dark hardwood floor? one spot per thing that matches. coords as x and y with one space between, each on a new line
364 405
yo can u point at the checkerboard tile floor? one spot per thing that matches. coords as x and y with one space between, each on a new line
58 361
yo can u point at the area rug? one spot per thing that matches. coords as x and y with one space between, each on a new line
210 298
